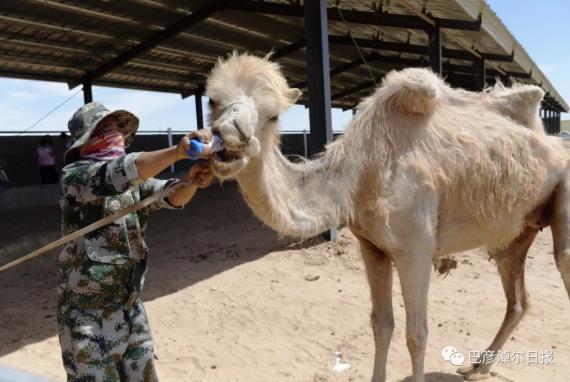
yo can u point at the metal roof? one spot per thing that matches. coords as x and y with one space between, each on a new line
170 45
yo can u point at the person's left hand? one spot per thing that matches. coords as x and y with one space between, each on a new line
202 135
200 174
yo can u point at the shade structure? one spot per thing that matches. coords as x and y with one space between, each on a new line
170 45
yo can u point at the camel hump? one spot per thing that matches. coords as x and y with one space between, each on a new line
412 90
521 103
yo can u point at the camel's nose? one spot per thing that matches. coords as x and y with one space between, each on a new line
237 122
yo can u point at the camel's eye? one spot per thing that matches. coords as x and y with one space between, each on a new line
212 103
274 119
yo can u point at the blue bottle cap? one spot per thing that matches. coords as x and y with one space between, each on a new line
196 149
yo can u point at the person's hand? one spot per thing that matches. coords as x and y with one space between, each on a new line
200 174
202 135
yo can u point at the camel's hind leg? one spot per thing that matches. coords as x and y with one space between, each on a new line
379 270
560 225
510 264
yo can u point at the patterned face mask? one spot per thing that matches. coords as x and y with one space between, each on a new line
106 146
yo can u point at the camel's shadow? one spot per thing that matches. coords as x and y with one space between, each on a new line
438 377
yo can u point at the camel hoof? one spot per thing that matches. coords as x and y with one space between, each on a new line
466 369
477 376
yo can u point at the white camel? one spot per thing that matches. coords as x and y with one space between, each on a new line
422 171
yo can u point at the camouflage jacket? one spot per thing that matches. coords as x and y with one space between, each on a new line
104 268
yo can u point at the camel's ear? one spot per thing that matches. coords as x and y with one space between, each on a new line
412 91
294 94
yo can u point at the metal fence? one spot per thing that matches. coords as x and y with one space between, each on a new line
18 162
168 132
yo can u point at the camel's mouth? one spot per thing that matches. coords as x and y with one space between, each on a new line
227 156
228 163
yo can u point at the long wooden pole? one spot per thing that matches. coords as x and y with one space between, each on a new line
93 226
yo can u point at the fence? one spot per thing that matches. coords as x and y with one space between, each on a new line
17 150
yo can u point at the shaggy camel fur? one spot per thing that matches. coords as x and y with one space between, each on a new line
422 171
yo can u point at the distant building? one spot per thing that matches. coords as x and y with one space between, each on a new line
565 125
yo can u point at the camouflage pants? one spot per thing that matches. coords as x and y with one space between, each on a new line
102 346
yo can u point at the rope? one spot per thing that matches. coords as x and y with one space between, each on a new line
426 54
98 224
368 67
50 112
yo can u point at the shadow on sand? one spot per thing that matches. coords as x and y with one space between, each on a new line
215 232
438 377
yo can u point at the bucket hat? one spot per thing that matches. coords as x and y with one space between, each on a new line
85 120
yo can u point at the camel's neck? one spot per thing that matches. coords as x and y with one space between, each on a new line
299 199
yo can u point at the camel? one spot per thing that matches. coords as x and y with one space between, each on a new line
422 171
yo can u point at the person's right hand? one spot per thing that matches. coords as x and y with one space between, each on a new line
202 135
200 174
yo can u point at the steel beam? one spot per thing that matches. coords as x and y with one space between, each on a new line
334 71
373 57
288 49
465 25
496 73
354 89
498 57
199 113
415 49
87 91
316 32
394 60
347 66
354 16
549 120
155 40
435 50
480 75
378 44
316 35
520 75
465 73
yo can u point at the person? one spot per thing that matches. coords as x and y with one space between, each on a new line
46 160
103 328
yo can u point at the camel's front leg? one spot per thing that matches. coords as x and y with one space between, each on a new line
414 271
379 270
510 264
561 231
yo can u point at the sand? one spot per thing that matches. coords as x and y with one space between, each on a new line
228 301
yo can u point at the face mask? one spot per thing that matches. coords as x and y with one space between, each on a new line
107 146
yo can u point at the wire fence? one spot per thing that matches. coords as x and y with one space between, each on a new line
142 132
168 133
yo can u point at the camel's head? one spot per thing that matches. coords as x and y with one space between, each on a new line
247 94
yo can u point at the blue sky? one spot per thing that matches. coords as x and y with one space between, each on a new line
541 27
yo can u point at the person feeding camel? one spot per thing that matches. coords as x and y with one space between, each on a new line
103 328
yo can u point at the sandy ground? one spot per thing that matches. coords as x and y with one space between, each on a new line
228 301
